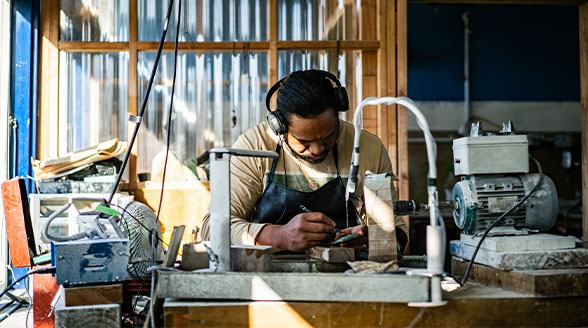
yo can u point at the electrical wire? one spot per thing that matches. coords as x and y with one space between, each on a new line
39 271
502 216
169 122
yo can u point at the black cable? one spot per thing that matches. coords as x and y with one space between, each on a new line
39 271
171 102
143 104
469 268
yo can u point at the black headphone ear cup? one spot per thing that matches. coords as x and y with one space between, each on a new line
341 99
276 122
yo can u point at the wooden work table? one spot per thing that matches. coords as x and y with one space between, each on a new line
473 305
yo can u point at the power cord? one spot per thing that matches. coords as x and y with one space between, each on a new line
469 268
169 121
38 271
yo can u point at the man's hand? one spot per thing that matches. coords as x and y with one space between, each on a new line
304 231
357 243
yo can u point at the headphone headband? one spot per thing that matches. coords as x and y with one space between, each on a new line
276 119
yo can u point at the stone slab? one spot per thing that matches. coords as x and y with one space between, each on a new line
533 242
251 258
246 258
523 260
332 254
293 286
88 316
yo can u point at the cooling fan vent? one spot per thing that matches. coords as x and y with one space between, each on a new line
138 220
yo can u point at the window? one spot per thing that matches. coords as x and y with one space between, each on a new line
100 55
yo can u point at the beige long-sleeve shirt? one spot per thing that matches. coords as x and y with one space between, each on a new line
249 175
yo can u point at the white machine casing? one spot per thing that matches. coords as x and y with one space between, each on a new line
491 155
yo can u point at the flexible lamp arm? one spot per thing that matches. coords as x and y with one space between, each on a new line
429 140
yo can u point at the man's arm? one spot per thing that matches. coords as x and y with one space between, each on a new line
305 230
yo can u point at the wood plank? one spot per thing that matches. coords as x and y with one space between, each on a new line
296 286
583 14
49 81
383 112
104 294
332 254
369 74
87 46
18 226
204 46
555 282
273 42
476 312
329 45
369 63
391 75
133 92
402 90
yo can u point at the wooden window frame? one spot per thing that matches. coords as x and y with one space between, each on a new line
383 48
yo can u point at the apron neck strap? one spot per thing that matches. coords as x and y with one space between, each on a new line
270 178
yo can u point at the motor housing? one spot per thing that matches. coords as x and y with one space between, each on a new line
481 199
494 168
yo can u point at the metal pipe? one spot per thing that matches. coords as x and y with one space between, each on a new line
429 140
467 107
220 202
220 210
436 229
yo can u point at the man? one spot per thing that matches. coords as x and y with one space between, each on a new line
297 201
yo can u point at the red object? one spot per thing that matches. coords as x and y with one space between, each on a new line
18 222
45 288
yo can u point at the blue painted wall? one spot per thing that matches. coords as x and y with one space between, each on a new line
23 97
517 52
23 91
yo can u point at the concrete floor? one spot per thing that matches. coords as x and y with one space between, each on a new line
17 319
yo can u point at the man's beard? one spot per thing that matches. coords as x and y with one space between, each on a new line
310 160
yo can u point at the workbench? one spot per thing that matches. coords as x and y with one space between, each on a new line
473 305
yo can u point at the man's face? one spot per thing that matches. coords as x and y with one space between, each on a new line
311 139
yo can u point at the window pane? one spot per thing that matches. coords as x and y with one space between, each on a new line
93 98
217 96
94 20
346 66
205 20
318 20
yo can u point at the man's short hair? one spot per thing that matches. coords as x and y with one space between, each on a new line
305 94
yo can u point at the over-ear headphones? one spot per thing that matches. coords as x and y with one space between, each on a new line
276 120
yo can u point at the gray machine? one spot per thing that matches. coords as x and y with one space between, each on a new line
494 170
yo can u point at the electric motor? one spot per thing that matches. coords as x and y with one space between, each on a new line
495 176
481 199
